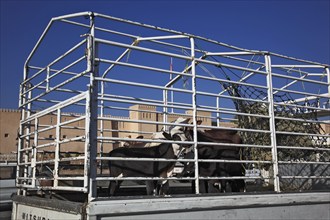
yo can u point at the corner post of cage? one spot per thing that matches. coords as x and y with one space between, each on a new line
194 106
20 144
272 122
92 111
27 139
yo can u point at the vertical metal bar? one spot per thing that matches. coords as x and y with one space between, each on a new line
47 78
21 130
194 106
28 138
93 106
328 75
34 151
171 77
101 124
218 113
57 148
87 140
165 109
272 123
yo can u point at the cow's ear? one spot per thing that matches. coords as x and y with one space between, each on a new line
167 135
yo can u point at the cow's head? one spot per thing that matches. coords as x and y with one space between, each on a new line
180 132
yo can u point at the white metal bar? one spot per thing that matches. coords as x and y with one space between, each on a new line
305 177
272 122
34 152
57 148
230 53
297 66
161 37
194 104
73 15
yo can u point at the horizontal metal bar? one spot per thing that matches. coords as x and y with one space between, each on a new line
69 178
161 37
144 159
304 162
304 177
304 148
64 188
145 140
234 161
297 66
232 53
232 177
302 134
79 14
72 158
143 178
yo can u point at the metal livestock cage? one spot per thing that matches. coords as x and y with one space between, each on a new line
94 82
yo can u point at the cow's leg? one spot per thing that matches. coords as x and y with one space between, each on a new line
113 185
151 187
214 186
203 186
164 188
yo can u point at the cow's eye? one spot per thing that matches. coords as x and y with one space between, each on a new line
181 129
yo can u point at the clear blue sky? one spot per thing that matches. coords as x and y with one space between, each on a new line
294 28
